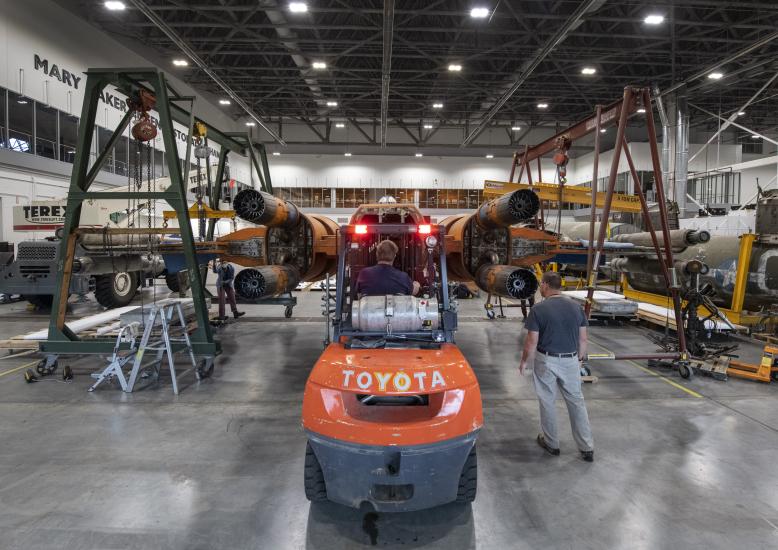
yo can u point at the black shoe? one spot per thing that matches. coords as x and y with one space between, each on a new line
549 449
221 318
239 314
588 456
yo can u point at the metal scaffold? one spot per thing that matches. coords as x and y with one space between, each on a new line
147 89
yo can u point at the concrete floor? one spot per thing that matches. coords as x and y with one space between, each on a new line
220 466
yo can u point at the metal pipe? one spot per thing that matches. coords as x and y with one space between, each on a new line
628 357
681 150
663 217
646 214
590 273
668 139
386 66
100 266
620 144
679 238
650 267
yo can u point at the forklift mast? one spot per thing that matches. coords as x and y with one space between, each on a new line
421 254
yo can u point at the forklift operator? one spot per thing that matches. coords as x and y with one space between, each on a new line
383 278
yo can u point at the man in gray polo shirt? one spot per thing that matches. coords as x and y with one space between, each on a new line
556 330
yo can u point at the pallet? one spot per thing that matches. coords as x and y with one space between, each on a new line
765 337
17 343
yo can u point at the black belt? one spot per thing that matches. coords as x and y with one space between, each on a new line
571 354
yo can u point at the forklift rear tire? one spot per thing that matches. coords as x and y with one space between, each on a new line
315 487
468 480
41 301
116 289
288 312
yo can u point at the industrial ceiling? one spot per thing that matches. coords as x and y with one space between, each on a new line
393 65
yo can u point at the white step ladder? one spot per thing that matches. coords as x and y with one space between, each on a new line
157 316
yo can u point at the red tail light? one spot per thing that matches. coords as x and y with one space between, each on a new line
425 229
360 229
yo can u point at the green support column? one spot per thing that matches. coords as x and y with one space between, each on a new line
60 338
203 333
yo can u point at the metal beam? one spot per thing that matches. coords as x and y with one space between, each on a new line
386 66
732 117
729 59
181 43
549 46
735 124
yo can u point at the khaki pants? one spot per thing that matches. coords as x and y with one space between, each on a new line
562 372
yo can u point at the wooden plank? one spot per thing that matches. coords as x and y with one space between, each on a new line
18 344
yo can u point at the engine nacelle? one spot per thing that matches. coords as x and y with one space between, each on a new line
270 280
507 281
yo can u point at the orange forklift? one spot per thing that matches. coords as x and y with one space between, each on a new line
392 408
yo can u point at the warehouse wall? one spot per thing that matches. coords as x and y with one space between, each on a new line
44 53
581 168
41 28
337 171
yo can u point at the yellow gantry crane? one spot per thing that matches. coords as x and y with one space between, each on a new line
575 194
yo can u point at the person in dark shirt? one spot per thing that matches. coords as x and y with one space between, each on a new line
383 278
557 340
225 277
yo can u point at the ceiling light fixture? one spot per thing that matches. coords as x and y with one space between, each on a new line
332 104
340 125
490 156
224 102
180 62
756 137
515 128
319 65
479 13
249 124
428 126
455 68
654 19
437 105
276 153
418 155
346 154
741 113
588 70
115 6
641 110
603 130
715 76
542 105
298 7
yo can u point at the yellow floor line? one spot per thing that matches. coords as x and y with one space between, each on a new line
19 368
652 373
